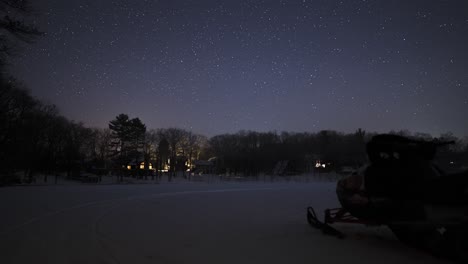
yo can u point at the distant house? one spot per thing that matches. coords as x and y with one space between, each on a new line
323 165
134 165
203 167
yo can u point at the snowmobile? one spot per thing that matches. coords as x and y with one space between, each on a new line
403 189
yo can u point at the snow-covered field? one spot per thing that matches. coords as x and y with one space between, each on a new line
184 223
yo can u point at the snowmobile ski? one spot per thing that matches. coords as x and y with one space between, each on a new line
324 227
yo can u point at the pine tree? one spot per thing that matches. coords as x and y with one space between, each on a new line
128 139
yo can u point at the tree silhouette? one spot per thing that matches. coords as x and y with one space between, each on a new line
163 153
128 139
14 28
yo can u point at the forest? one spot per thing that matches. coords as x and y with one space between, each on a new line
35 139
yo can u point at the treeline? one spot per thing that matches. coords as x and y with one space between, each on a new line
251 153
131 149
36 139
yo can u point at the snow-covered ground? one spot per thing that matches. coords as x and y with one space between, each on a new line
184 223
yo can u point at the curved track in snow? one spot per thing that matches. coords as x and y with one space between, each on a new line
184 223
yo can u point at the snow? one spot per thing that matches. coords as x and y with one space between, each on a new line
185 223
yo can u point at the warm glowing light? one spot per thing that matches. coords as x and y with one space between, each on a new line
142 166
129 167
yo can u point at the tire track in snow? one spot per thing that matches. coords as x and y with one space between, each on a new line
88 204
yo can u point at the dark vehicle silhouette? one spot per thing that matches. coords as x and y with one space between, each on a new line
403 189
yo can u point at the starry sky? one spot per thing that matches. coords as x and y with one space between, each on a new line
282 65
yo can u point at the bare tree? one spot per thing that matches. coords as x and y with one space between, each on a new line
14 28
174 137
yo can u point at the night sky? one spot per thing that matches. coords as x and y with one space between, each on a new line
222 66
